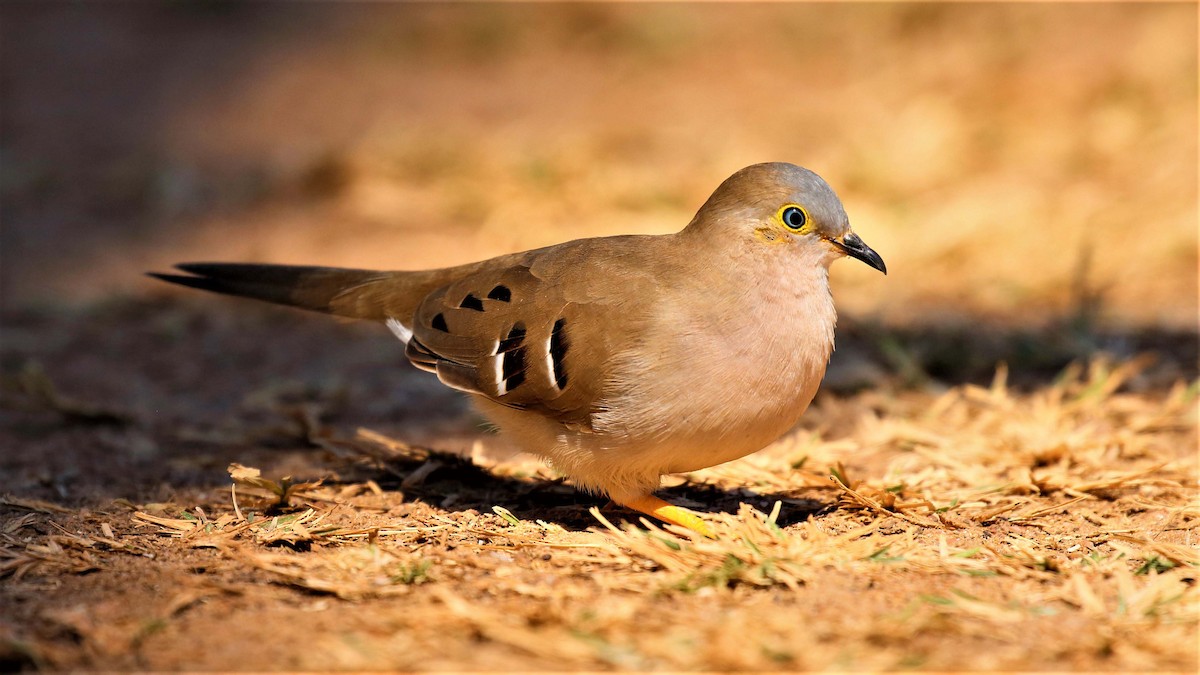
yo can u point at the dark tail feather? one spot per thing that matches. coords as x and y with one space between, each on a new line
321 289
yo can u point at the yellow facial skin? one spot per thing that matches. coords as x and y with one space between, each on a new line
792 222
795 219
773 232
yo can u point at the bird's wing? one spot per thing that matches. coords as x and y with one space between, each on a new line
536 330
533 332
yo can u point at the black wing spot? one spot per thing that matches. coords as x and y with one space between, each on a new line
500 293
439 323
518 377
512 366
558 350
516 336
471 302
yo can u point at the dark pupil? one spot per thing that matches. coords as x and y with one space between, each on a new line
794 218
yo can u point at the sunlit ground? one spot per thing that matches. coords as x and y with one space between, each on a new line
1029 173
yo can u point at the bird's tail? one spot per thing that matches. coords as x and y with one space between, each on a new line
359 294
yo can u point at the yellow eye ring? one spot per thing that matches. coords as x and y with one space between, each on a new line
794 217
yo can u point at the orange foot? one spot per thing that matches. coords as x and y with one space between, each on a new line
669 513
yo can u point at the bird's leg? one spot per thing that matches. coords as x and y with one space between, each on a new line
669 513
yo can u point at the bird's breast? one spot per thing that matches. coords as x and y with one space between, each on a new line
711 382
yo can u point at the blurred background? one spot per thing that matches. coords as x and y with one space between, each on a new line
1027 170
1020 167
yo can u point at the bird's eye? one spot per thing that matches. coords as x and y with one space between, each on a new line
794 217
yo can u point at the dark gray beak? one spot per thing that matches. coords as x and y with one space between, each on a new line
854 247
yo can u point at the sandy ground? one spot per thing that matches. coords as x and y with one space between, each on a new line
999 473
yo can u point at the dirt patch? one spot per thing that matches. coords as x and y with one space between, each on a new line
944 528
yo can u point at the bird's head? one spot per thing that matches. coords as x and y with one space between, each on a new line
783 204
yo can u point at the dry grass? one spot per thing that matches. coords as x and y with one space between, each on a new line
1028 172
991 514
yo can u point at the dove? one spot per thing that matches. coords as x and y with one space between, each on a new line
618 359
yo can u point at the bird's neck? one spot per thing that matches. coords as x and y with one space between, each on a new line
806 305
782 293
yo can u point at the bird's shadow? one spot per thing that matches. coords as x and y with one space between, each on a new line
456 483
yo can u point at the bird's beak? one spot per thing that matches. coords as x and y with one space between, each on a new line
854 247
